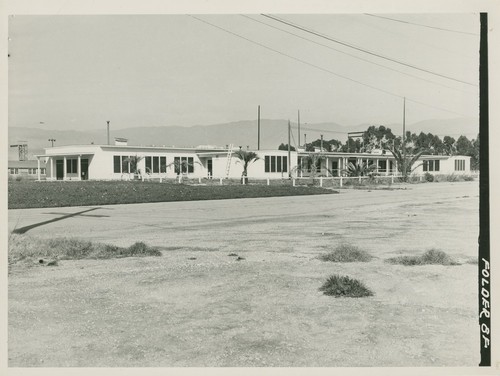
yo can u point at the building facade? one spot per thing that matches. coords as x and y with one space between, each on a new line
124 162
26 169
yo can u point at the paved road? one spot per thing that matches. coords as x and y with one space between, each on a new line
443 215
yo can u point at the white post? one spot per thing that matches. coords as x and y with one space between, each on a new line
340 181
199 180
392 179
321 181
220 181
64 168
38 170
161 179
293 182
51 168
267 181
79 167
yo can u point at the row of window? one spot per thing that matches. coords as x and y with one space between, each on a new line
31 171
275 163
460 165
156 165
431 165
123 164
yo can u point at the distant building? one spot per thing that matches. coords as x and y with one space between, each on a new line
27 169
113 162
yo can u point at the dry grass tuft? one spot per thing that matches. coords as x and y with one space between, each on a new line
430 257
346 253
343 286
28 248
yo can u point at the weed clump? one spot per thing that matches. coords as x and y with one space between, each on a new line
430 257
346 253
343 286
27 248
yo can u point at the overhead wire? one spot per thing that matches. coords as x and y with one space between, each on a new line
310 31
352 55
324 69
422 25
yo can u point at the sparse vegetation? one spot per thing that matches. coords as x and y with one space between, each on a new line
430 257
429 177
346 253
31 249
343 286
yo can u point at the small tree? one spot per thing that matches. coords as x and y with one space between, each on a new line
134 164
310 163
245 158
359 169
405 165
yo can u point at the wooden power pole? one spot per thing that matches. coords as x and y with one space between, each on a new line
289 161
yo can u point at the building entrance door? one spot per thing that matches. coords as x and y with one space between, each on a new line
84 174
59 169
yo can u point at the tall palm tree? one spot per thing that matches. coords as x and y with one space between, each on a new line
245 158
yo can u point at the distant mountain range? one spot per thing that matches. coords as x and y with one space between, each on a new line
240 133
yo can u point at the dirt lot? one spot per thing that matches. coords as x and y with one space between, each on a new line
197 306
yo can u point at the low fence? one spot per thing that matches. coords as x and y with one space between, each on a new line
326 182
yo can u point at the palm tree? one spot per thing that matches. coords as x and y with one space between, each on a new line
359 169
134 164
405 165
310 164
245 158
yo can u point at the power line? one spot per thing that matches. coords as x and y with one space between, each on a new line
323 69
364 50
354 56
417 24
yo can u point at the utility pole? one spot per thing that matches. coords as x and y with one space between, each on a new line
404 138
52 140
289 162
298 124
108 132
258 129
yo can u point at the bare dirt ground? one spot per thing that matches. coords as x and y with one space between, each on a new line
197 306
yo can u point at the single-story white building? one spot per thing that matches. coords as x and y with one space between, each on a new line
116 162
28 168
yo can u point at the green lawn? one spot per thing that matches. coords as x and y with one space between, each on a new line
32 194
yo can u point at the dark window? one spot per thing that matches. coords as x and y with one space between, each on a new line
273 164
156 165
71 166
436 165
148 165
426 166
278 164
177 165
382 165
285 164
125 164
190 165
267 164
116 164
163 164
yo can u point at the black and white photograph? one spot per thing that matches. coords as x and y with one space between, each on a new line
252 189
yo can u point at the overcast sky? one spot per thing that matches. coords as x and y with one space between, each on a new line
76 72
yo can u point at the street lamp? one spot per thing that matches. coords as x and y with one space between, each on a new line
52 140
